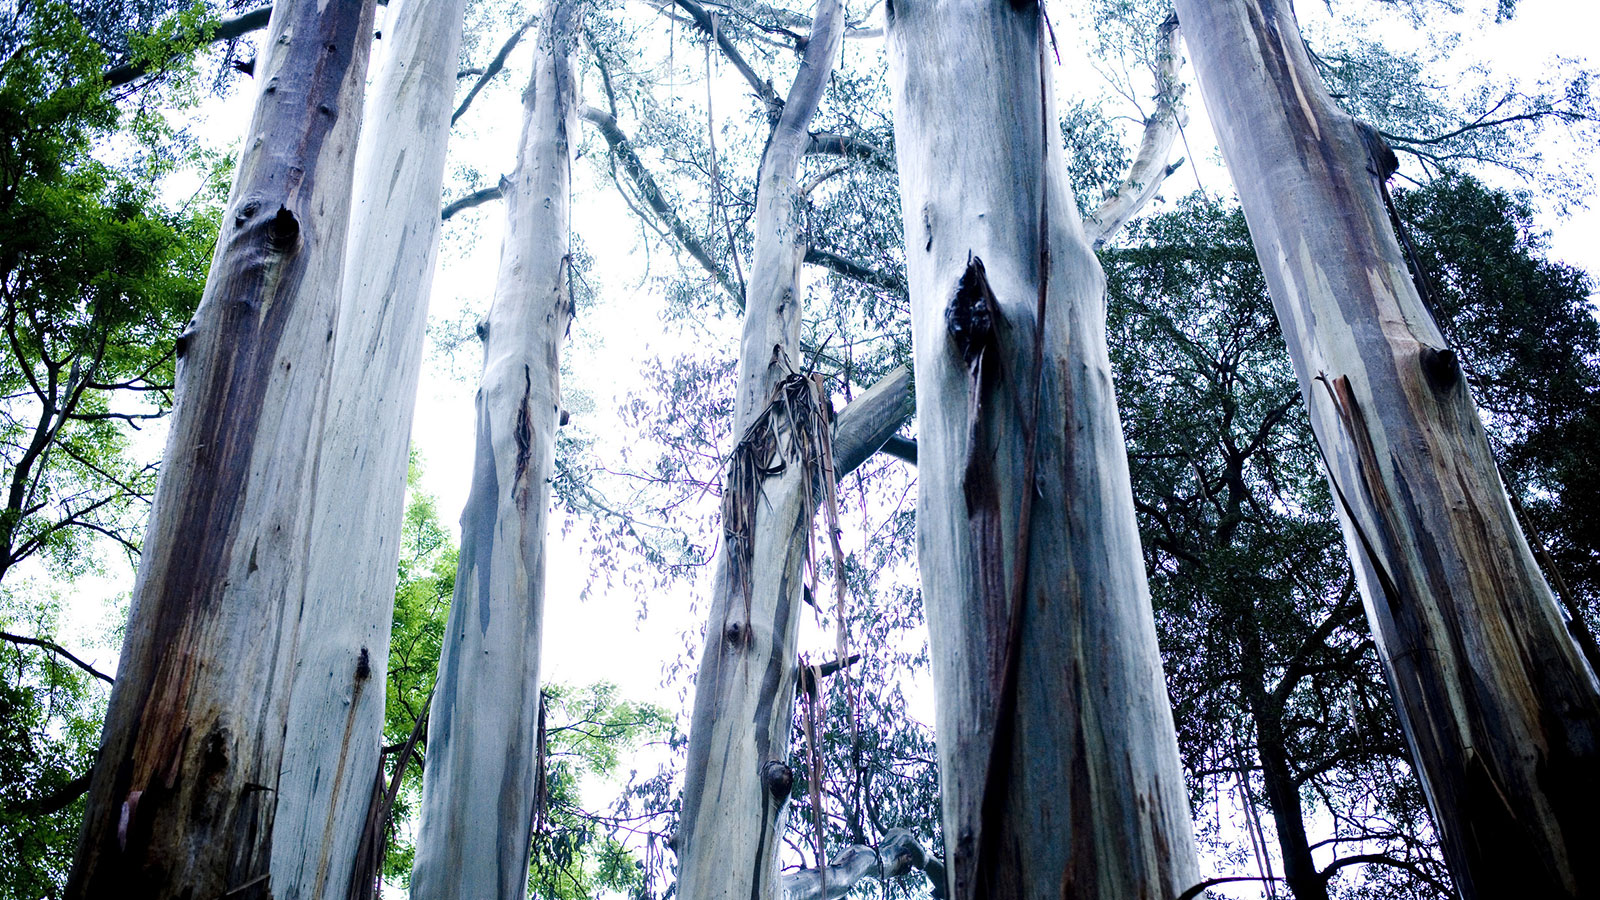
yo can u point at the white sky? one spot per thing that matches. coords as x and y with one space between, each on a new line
602 638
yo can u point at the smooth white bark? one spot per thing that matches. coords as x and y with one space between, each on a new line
336 710
1500 709
478 786
1161 131
1069 786
898 853
744 692
185 787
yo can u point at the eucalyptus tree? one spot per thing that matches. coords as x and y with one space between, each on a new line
1501 710
478 794
1058 760
336 707
1530 347
184 791
737 778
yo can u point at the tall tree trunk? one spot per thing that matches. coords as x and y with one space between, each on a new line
736 778
478 787
336 709
1058 760
185 788
1501 712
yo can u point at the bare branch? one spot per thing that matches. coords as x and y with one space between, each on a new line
493 69
476 198
897 854
1381 859
708 23
850 147
871 419
903 449
131 418
58 650
653 196
856 271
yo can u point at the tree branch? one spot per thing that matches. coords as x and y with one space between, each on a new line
55 801
1381 859
850 147
493 69
1150 166
708 23
226 30
856 271
871 419
476 198
903 449
1200 888
898 853
653 197
59 650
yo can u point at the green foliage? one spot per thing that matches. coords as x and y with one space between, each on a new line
1274 680
578 853
1440 111
97 278
1268 656
426 580
50 714
96 281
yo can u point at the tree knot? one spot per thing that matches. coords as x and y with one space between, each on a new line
778 779
973 312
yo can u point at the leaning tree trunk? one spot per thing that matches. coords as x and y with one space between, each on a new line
478 786
1058 761
336 708
736 777
1499 707
185 788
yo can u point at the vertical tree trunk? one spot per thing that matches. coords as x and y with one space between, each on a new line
478 787
736 781
185 787
1501 712
1058 760
336 708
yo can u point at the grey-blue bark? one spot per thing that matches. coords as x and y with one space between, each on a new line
478 787
335 726
1058 761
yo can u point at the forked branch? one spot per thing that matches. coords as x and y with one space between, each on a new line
1150 167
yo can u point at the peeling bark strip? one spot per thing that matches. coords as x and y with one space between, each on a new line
479 788
1027 545
336 707
1500 709
184 791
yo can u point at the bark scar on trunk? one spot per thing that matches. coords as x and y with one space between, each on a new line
524 436
1344 403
